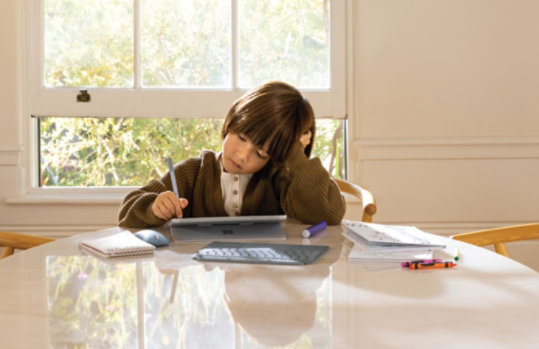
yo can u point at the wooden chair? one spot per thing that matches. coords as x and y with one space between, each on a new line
15 241
499 236
366 197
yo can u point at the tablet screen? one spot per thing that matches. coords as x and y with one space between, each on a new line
230 227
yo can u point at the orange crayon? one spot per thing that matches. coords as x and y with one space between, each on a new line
434 265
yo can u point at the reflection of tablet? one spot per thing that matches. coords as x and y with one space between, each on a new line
228 227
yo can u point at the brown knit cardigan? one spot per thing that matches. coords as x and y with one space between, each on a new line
301 189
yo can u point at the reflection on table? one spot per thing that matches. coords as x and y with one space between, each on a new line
59 297
101 304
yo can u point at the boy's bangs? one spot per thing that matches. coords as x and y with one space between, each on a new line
264 131
259 131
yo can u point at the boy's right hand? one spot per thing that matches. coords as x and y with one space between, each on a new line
167 206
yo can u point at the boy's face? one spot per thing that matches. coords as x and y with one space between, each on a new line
240 156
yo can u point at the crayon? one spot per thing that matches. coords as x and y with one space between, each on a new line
435 265
310 231
423 261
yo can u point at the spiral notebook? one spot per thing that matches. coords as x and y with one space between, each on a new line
118 245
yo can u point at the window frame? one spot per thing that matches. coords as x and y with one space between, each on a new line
148 102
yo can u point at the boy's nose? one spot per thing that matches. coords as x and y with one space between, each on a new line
242 152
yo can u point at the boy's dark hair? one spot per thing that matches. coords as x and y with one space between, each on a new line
274 112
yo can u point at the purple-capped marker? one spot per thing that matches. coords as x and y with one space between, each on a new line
313 229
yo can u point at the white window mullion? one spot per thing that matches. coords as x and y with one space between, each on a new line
234 43
136 45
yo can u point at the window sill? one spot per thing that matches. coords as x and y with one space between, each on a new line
66 199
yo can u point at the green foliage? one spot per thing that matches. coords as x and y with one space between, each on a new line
179 51
295 33
88 43
118 151
131 151
186 43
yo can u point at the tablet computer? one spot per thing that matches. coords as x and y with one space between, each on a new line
227 227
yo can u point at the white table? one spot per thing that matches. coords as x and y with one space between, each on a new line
57 296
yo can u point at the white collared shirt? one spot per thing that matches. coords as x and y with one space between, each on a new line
233 187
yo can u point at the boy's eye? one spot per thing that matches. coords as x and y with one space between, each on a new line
261 155
259 152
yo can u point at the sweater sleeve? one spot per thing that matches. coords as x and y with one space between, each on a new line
307 192
136 209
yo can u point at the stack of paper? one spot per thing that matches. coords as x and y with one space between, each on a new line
389 243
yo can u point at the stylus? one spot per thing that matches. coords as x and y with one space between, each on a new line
173 177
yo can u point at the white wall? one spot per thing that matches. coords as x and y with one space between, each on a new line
446 130
444 123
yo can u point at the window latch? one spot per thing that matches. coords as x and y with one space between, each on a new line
83 96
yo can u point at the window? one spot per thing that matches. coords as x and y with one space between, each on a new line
119 84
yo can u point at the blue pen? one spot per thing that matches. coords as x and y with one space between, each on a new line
173 177
313 229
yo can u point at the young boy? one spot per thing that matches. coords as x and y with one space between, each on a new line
263 169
